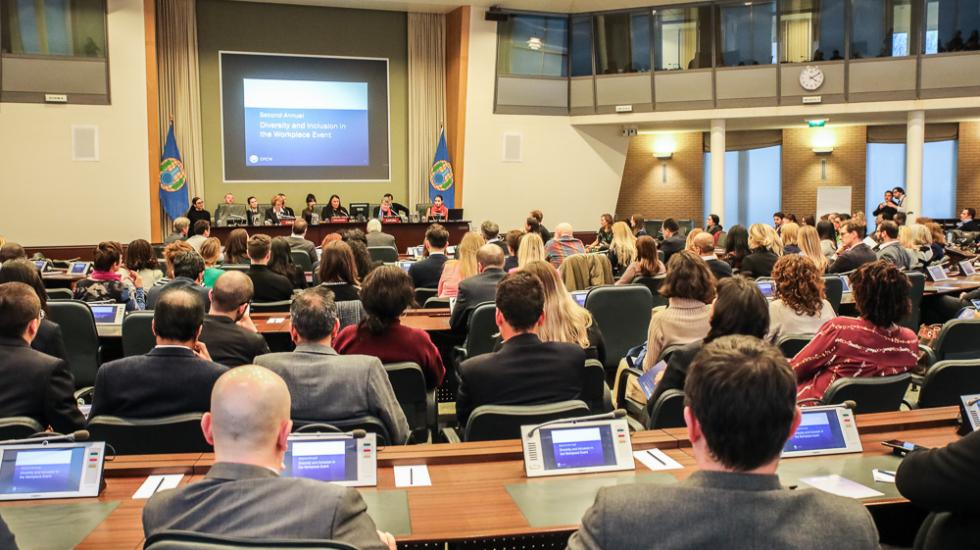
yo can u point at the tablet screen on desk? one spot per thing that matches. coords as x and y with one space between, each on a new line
767 288
331 460
579 296
937 273
577 447
824 430
405 265
29 472
107 314
966 267
78 268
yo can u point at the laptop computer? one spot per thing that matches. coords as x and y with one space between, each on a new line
53 470
455 214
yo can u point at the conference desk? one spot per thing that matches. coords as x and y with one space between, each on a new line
429 320
478 489
954 286
406 234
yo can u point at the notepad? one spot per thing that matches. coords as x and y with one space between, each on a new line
156 483
412 476
841 486
655 459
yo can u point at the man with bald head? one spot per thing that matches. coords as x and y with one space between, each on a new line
229 333
704 244
563 245
175 377
242 495
478 288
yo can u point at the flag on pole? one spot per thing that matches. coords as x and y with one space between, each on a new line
441 176
173 188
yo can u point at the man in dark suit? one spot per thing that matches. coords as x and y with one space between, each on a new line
853 252
228 332
673 240
175 377
187 273
737 385
34 384
425 273
705 243
945 482
479 288
967 221
491 234
525 371
242 494
269 286
298 241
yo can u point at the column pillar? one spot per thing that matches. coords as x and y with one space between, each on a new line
914 144
716 198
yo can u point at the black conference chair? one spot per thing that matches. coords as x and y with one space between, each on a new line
179 433
833 287
188 540
367 423
282 306
436 303
493 422
791 344
59 293
623 315
417 402
686 226
81 339
918 281
946 381
595 391
632 407
236 267
481 333
878 394
302 259
137 333
958 339
653 284
422 295
385 254
666 412
19 427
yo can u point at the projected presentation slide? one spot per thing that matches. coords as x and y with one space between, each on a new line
334 460
818 430
577 447
41 470
304 118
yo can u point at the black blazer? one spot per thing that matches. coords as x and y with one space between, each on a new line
194 216
759 262
164 382
473 292
526 371
425 273
853 259
671 246
271 215
49 340
229 344
971 225
719 268
269 286
328 213
38 386
945 482
250 216
676 372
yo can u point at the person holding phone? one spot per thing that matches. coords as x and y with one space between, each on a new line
228 331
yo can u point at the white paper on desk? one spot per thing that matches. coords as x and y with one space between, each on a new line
655 459
412 476
156 483
275 320
881 476
170 482
841 486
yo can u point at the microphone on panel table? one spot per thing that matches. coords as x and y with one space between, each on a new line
611 415
77 435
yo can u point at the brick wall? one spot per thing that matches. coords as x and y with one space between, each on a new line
802 168
968 167
643 190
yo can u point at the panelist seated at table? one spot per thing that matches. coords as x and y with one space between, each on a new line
197 212
228 331
34 384
175 377
525 371
327 386
278 212
243 495
740 411
438 210
333 209
252 213
389 208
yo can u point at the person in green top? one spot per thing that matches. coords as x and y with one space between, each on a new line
211 252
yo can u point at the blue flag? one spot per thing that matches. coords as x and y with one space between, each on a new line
173 188
441 176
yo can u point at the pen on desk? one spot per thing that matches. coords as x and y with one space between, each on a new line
887 472
411 475
655 457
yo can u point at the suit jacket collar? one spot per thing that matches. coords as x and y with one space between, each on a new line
233 471
317 349
171 351
733 481
491 271
15 342
521 340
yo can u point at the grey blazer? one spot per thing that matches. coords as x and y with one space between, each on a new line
381 239
724 510
326 386
250 501
303 245
897 255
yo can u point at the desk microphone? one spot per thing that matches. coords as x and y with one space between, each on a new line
77 435
973 402
849 404
358 433
612 415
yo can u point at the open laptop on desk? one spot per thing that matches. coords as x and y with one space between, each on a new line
108 318
55 470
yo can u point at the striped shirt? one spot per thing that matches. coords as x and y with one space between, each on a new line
850 347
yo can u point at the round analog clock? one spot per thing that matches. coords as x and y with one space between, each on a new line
811 78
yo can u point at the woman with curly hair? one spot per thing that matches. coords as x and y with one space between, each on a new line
867 346
799 307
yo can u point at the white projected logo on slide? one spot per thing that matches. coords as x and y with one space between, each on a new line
306 123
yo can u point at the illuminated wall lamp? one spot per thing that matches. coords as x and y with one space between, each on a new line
663 149
823 142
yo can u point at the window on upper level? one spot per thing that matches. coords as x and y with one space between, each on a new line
533 45
622 42
881 28
952 26
747 34
812 30
682 38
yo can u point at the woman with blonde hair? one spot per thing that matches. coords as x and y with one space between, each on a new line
531 248
622 249
455 271
647 262
765 248
811 247
790 234
689 241
938 240
564 319
917 239
211 253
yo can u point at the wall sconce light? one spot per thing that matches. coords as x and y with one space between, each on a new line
664 147
823 142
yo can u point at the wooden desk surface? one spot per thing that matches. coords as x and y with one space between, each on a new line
425 319
954 286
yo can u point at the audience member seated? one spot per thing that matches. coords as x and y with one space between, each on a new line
269 285
228 332
736 246
799 306
201 230
525 371
944 481
35 384
327 386
531 249
890 248
967 223
539 227
938 240
766 247
713 225
853 253
49 338
248 425
357 242
455 271
604 235
674 242
141 258
197 212
479 288
917 240
646 264
622 248
375 237
105 284
12 251
236 247
298 241
828 238
211 254
871 345
564 319
704 244
638 225
811 247
181 226
790 235
513 240
337 270
689 240
175 377
188 272
386 294
425 273
740 411
739 309
281 262
491 234
563 245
